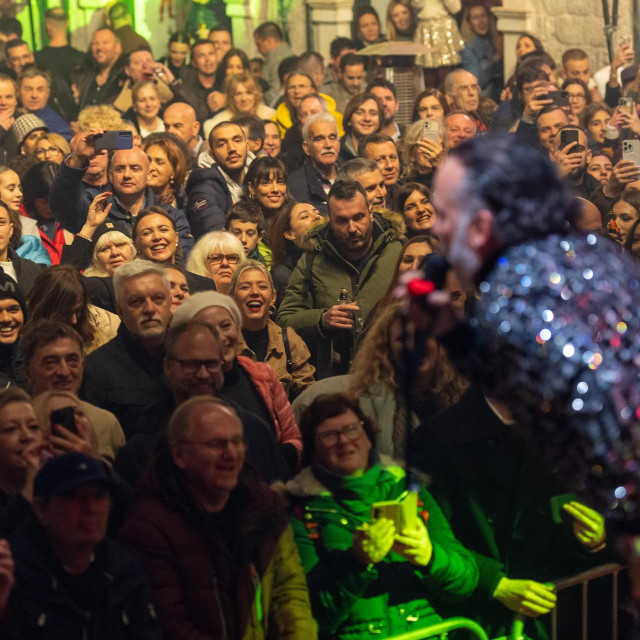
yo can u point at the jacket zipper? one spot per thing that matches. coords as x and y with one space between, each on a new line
222 619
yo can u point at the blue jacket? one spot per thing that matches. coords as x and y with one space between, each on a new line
209 200
31 248
477 58
70 199
55 122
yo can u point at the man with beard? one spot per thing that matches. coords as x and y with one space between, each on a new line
572 161
554 335
356 250
215 189
321 143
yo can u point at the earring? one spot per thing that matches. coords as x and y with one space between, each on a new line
172 180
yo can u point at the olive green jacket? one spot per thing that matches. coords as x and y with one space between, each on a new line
320 274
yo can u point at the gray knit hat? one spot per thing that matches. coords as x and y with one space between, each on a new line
202 300
26 124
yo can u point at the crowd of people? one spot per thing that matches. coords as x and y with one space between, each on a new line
227 410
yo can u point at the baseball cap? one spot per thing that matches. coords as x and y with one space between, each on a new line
67 472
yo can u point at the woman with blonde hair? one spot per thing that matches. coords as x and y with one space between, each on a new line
261 339
101 116
111 250
420 156
401 20
52 147
217 255
244 95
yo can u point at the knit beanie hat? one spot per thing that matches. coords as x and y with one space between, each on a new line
10 289
202 300
24 125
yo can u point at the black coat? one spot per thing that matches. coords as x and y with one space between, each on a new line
304 185
208 202
495 491
41 608
124 378
26 271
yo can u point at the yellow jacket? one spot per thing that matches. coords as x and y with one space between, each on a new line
284 121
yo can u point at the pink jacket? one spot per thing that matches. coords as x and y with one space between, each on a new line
272 392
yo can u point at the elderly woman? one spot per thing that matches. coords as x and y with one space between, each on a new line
368 573
261 339
217 255
249 384
111 250
244 95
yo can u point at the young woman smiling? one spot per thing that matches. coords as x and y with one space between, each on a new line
262 340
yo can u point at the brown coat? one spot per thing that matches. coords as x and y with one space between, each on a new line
302 371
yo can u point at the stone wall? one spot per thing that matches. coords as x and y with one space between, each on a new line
568 24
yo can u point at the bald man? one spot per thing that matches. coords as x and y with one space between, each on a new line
590 217
127 175
180 119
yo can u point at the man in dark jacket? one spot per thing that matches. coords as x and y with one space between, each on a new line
321 143
70 580
213 191
214 539
124 375
70 200
555 333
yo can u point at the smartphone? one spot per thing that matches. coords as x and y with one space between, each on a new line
114 140
560 98
631 151
626 103
402 512
558 514
65 417
431 131
567 136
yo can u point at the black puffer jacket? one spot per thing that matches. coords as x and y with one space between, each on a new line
209 200
40 608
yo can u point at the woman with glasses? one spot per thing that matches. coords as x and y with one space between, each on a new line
52 147
579 99
369 572
261 339
217 255
252 385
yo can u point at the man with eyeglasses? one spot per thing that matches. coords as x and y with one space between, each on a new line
214 539
215 189
463 92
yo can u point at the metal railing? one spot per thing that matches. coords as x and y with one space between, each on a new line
583 579
442 628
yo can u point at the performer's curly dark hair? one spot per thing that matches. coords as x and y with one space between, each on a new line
518 185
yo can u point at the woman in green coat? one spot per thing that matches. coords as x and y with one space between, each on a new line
368 577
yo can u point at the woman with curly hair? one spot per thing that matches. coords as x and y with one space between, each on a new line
378 378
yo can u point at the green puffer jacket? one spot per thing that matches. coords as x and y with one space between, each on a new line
313 290
351 601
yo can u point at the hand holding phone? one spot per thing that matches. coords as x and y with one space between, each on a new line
114 140
64 417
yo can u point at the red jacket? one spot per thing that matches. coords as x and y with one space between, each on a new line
272 393
60 238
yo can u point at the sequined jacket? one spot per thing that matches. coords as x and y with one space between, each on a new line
555 336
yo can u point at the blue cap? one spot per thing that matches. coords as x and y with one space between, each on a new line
67 472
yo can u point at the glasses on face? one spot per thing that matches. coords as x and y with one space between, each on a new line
577 96
349 431
217 258
51 151
191 367
219 444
